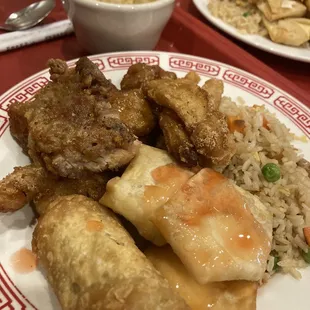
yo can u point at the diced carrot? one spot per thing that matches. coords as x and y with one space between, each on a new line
265 123
234 123
307 234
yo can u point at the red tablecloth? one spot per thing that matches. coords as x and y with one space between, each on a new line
17 65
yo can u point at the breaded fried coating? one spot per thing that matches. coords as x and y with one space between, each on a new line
176 138
184 97
91 262
86 74
140 73
92 185
206 127
21 186
71 129
18 122
215 89
34 183
192 76
212 139
135 111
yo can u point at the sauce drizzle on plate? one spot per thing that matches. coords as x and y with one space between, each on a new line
23 261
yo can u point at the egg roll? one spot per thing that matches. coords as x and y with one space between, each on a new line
91 262
149 181
232 295
219 231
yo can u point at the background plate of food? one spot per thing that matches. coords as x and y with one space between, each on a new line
279 27
203 164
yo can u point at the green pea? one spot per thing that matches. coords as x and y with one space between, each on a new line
271 172
306 256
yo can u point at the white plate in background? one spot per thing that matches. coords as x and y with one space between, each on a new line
265 44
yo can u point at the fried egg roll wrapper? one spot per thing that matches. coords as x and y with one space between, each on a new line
219 231
92 263
229 295
150 180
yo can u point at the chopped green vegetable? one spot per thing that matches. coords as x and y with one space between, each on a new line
271 172
276 267
306 256
246 14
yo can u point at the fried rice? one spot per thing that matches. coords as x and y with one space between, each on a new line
288 199
242 15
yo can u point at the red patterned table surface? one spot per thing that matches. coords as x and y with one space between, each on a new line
295 71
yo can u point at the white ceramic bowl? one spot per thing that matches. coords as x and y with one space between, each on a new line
105 27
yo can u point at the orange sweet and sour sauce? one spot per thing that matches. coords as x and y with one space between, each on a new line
23 261
94 225
168 180
210 194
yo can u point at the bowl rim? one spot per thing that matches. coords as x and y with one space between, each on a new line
123 7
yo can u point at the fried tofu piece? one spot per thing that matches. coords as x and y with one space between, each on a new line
91 262
273 10
229 295
289 31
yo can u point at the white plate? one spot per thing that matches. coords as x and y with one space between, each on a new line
265 44
31 291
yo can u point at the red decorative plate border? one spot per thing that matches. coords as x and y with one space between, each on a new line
10 296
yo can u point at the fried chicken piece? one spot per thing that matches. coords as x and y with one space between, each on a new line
20 187
215 89
212 139
160 143
91 185
135 111
32 182
140 73
71 128
187 99
176 138
86 74
192 76
205 126
18 122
